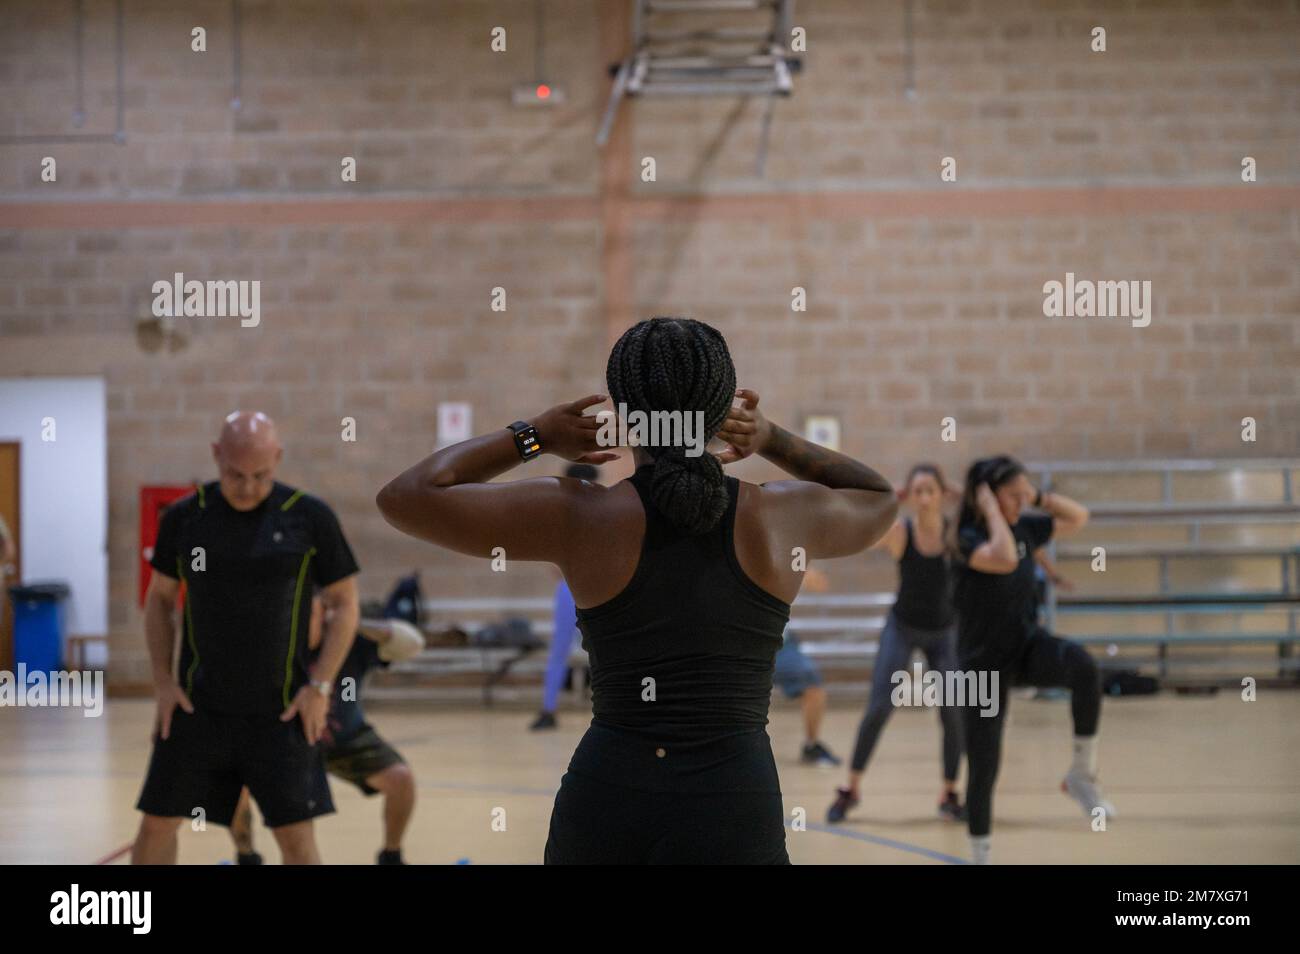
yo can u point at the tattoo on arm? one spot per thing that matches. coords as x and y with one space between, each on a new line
809 461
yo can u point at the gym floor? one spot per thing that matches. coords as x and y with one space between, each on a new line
1194 780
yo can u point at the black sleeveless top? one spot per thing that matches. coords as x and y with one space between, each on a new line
924 587
681 665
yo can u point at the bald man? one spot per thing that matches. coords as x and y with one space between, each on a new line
245 706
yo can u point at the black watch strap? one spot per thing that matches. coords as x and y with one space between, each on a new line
527 442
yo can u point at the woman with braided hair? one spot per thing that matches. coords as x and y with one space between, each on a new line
683 579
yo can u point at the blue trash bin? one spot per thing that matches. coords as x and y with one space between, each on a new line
38 626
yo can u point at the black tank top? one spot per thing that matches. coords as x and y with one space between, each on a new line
924 587
692 621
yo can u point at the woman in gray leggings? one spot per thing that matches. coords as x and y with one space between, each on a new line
922 619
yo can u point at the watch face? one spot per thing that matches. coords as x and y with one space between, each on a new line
527 440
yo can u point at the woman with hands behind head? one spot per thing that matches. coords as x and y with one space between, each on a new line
923 620
683 579
998 630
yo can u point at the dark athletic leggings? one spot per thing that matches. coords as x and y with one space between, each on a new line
896 644
1047 662
599 823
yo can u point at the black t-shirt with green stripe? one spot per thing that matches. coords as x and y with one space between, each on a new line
249 578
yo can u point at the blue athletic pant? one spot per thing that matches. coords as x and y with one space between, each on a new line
563 632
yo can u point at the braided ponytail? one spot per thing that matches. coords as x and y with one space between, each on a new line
678 364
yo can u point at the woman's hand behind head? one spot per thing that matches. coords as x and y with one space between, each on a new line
745 430
568 433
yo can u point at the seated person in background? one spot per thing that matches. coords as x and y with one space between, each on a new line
798 677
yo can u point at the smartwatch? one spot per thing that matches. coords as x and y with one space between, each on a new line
527 442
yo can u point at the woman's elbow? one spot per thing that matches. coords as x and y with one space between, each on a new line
878 525
390 501
888 514
414 510
1076 523
994 563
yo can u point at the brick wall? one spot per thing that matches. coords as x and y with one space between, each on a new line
921 305
412 90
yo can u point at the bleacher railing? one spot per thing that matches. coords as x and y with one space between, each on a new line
1202 559
1196 553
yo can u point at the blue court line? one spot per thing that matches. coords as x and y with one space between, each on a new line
827 829
888 843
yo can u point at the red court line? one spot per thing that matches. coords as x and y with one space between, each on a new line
613 208
962 203
279 212
110 858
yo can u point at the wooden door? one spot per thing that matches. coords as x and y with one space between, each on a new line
10 574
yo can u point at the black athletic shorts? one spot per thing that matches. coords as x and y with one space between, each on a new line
208 758
360 756
600 823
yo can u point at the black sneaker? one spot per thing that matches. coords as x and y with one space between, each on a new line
814 753
545 720
844 800
952 809
249 858
387 857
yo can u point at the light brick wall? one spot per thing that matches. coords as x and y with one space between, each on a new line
1011 90
913 316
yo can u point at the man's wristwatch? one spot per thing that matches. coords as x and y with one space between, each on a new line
322 687
527 442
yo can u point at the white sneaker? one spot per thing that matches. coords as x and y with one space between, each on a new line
1083 789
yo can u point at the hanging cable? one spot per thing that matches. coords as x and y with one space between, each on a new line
79 115
79 111
119 136
236 47
539 45
909 52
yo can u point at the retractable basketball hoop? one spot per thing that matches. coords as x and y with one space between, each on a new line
686 48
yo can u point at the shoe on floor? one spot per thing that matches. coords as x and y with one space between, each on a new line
952 809
544 720
1084 790
814 753
844 800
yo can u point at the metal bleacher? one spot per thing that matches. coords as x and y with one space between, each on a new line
1201 556
471 673
1200 585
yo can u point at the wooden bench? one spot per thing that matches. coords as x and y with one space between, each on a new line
74 649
